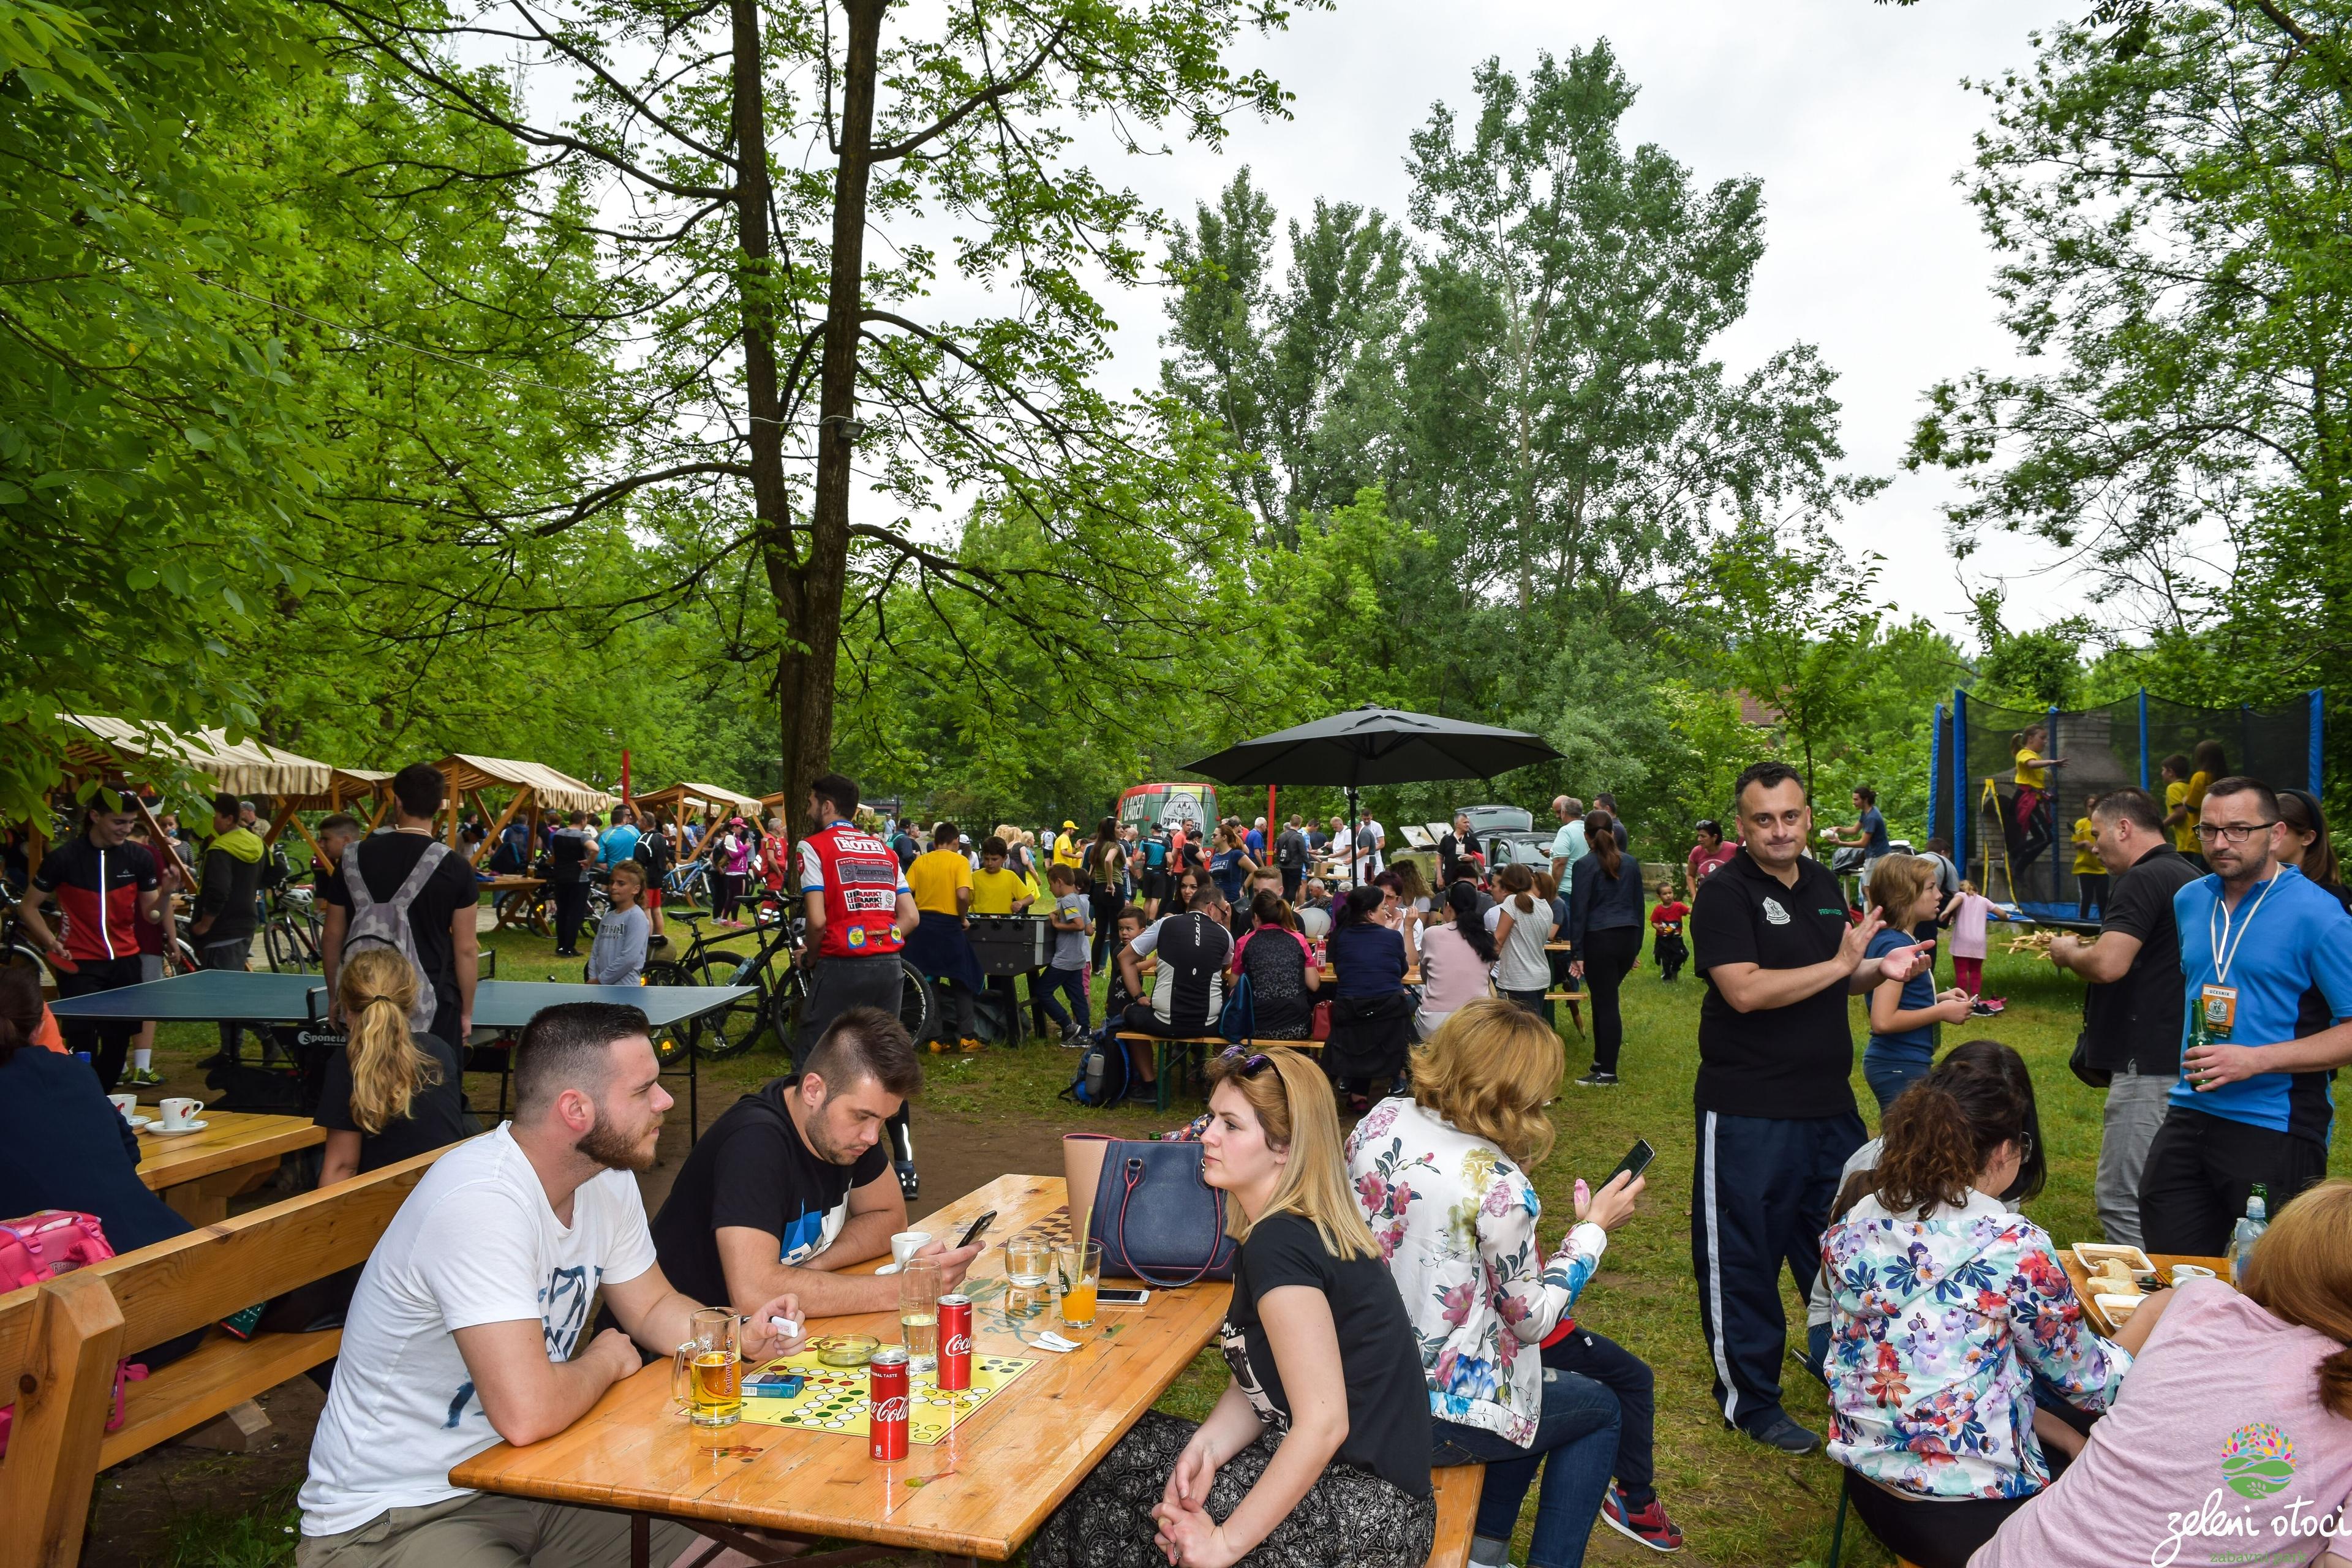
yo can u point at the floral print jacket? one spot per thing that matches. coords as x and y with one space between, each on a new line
1456 1224
1936 1329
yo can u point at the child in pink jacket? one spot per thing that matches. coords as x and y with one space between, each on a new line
1967 915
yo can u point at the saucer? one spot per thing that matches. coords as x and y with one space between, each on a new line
136 1122
174 1131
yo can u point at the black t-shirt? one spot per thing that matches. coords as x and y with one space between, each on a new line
436 1117
571 849
1388 1397
1780 1063
385 861
754 1169
2135 1021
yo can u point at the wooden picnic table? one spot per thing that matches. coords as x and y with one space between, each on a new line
981 1492
2081 1279
198 1173
515 901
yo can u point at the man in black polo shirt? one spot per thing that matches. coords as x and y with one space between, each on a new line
794 1183
1776 1115
2132 1011
1188 992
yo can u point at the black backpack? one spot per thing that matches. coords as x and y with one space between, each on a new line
1102 1080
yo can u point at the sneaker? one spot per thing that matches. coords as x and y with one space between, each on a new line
1596 1079
144 1077
909 1185
1783 1433
938 1048
1983 1010
1650 1526
971 1044
1073 1037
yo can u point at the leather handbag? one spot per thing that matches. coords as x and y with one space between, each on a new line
1157 1221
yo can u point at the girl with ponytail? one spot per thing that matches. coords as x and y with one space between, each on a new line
1946 1304
388 1094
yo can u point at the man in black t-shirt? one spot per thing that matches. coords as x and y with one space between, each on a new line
1188 992
1774 1097
441 921
794 1183
2132 1011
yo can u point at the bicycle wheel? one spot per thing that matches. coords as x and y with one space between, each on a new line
671 1044
729 1030
916 1005
276 945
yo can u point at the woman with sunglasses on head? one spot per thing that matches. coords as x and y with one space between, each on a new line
1513 1383
1945 1304
1318 1454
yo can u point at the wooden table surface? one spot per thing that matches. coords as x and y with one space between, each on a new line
198 1173
2081 1279
981 1492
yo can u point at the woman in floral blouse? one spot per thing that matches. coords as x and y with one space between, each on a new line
1944 1304
1441 1174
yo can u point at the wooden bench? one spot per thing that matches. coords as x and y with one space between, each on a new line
59 1342
1457 1488
1161 1060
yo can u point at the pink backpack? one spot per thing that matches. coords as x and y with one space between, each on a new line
41 1246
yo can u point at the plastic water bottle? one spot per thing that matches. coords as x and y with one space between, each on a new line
2249 1230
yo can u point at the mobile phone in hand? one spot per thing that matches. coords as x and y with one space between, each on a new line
978 1229
1636 1161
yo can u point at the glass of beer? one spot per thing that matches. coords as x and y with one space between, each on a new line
706 1380
920 1284
1027 1264
1081 1271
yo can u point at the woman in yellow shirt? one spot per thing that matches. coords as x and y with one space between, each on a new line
2037 822
2090 872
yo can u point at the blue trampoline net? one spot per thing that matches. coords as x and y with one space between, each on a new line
2017 843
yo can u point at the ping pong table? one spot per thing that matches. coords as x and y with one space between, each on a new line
501 1008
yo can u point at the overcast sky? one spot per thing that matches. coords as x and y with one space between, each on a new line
1852 114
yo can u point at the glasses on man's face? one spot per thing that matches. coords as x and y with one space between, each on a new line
2232 832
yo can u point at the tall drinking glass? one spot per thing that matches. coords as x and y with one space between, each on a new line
920 1283
1028 1264
1080 1271
706 1379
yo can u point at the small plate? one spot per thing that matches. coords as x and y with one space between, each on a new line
174 1132
2091 1254
136 1122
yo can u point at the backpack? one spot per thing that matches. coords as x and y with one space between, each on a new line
1155 853
1238 1022
1102 1080
386 924
41 1246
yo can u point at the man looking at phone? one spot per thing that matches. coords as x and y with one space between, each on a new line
1776 1115
794 1183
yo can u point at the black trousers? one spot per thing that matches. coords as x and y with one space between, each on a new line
1761 1194
2090 893
1108 900
108 1043
1608 955
234 954
2201 1169
1627 1376
571 900
1672 952
1931 1534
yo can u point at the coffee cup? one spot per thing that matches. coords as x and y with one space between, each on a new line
178 1111
126 1103
907 1243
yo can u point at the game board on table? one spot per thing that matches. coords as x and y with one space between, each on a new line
833 1399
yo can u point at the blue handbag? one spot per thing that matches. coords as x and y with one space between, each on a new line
1238 1022
1157 1221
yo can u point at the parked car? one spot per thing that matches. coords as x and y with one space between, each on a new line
1487 819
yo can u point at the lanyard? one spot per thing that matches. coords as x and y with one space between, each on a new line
2225 945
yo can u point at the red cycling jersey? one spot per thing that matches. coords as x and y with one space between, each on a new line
98 893
861 883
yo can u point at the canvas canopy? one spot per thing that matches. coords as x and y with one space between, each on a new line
550 789
713 797
248 767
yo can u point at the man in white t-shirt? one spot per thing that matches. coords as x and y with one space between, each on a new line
466 1327
1371 838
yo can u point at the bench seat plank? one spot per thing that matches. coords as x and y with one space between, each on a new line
216 1376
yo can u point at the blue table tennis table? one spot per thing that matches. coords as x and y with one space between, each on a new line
501 1008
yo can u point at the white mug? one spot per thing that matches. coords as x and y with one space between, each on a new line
126 1103
178 1111
907 1243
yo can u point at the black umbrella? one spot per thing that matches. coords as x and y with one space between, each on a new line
1374 746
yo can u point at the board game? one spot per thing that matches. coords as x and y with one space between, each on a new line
833 1398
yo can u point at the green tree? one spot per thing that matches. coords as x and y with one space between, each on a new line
1800 622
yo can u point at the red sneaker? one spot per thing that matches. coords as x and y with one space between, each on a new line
1651 1527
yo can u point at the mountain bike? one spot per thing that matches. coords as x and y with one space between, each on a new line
291 935
775 1000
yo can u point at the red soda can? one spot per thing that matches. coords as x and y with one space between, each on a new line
955 1341
889 1405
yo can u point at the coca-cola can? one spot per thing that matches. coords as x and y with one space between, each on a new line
889 1403
955 1341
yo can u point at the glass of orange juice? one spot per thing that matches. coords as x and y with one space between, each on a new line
1079 1271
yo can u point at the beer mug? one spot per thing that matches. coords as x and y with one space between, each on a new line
706 1379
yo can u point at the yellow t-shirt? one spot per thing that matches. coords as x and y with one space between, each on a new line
2030 773
2086 861
934 878
2199 783
2184 837
1070 850
992 892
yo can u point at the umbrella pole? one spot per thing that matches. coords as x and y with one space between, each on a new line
1355 843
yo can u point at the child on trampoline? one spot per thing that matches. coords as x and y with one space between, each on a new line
2036 809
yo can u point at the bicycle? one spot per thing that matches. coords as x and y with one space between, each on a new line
291 935
774 1002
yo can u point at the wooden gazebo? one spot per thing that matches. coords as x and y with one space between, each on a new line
535 789
122 752
704 803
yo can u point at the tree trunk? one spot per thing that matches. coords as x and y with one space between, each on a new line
810 602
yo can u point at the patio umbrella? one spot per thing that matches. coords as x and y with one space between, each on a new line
1374 746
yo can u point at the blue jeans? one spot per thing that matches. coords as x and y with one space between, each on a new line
1071 983
1575 1446
1890 1072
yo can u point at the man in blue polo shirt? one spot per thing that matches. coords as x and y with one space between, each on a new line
2253 1104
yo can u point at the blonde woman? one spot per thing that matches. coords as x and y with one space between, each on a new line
1441 1175
1318 1452
387 1094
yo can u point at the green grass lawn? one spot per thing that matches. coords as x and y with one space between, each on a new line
1737 1502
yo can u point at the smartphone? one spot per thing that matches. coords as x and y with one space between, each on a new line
1121 1297
978 1229
1636 1161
